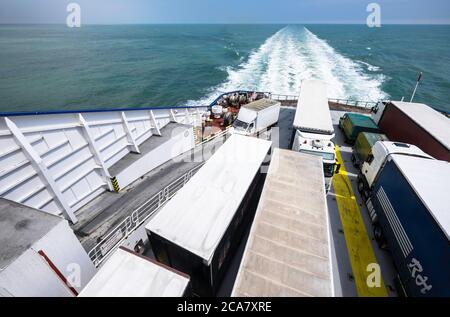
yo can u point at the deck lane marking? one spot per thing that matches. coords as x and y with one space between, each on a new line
359 248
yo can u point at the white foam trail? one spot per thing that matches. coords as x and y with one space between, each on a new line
292 55
369 67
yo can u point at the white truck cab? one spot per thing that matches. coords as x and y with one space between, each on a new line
313 128
381 151
317 145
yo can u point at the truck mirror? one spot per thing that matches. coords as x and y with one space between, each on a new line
338 167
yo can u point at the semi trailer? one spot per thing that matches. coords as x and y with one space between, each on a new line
409 207
406 196
416 124
288 252
129 274
313 128
199 229
352 124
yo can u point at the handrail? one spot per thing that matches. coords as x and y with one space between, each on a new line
138 217
280 97
38 113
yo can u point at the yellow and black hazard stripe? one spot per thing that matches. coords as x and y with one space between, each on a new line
115 184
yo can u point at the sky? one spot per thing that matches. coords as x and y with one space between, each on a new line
225 11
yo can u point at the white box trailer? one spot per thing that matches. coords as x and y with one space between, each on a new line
257 116
288 252
129 274
199 228
40 256
313 127
313 113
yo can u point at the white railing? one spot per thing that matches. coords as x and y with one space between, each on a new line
281 97
355 103
139 216
347 102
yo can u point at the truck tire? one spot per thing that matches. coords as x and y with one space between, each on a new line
360 185
354 160
379 237
365 195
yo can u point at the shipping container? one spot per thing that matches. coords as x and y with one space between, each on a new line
354 123
363 146
39 254
288 252
410 204
417 124
129 274
197 231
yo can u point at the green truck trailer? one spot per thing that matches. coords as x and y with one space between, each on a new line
363 146
352 124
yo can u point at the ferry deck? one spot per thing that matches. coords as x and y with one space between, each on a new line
353 242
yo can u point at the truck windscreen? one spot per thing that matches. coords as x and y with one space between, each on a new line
240 124
326 156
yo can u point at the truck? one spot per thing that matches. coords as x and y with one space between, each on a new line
292 222
257 116
352 124
379 156
200 228
313 128
409 207
38 251
130 274
363 146
417 124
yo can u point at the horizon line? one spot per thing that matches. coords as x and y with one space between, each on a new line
225 23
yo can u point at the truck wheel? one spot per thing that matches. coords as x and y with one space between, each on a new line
365 195
360 185
379 237
354 160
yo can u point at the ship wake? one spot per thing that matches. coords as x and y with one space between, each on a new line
294 54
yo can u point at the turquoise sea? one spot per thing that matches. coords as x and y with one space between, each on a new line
45 67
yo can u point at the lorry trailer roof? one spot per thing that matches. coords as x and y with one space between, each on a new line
429 178
260 104
127 274
429 119
197 217
288 251
313 113
20 227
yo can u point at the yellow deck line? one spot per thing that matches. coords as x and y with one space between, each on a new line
357 240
